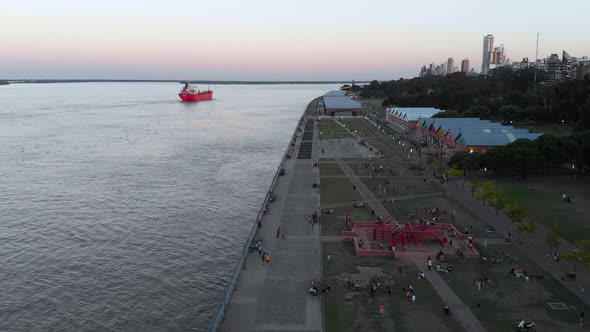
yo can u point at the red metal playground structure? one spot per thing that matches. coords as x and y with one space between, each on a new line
399 229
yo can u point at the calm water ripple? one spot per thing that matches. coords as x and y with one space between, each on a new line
123 209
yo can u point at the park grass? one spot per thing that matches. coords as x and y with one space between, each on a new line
330 169
398 186
544 203
337 190
361 312
329 125
398 168
451 212
510 299
325 135
360 125
334 224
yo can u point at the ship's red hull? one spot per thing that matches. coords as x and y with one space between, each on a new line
203 95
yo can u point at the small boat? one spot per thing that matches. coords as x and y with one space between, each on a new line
189 93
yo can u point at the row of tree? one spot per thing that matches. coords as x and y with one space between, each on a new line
487 191
505 94
548 154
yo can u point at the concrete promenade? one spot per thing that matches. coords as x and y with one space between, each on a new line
273 297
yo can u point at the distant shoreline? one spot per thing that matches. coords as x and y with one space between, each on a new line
170 81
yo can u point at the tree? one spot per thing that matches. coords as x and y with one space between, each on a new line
553 237
525 156
485 191
529 227
452 172
497 200
508 112
515 211
497 159
580 255
465 161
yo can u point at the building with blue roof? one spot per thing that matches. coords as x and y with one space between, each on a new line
407 118
468 134
341 106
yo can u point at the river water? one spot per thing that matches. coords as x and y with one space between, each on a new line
124 209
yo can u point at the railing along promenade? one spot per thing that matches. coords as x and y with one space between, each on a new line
220 311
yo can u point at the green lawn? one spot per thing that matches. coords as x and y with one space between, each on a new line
360 312
510 299
400 186
397 167
361 126
544 202
337 190
335 135
330 169
329 125
334 224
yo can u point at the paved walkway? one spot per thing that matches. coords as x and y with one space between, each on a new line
363 190
458 309
273 297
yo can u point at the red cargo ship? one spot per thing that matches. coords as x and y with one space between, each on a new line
188 93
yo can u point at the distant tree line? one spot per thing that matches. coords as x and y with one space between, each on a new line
505 94
547 155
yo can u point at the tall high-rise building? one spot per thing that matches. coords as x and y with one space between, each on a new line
465 65
423 71
450 65
488 46
497 57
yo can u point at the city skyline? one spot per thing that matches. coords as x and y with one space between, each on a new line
264 40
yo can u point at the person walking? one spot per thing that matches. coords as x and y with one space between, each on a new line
263 257
581 317
278 232
429 261
582 291
381 308
267 258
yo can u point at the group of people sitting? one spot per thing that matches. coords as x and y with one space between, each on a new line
313 289
410 295
519 273
444 268
375 286
358 204
567 198
483 282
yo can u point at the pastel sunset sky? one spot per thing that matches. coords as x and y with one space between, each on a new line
274 39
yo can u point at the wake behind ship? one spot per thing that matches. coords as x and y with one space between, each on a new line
189 93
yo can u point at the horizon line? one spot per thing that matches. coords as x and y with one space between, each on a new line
51 80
